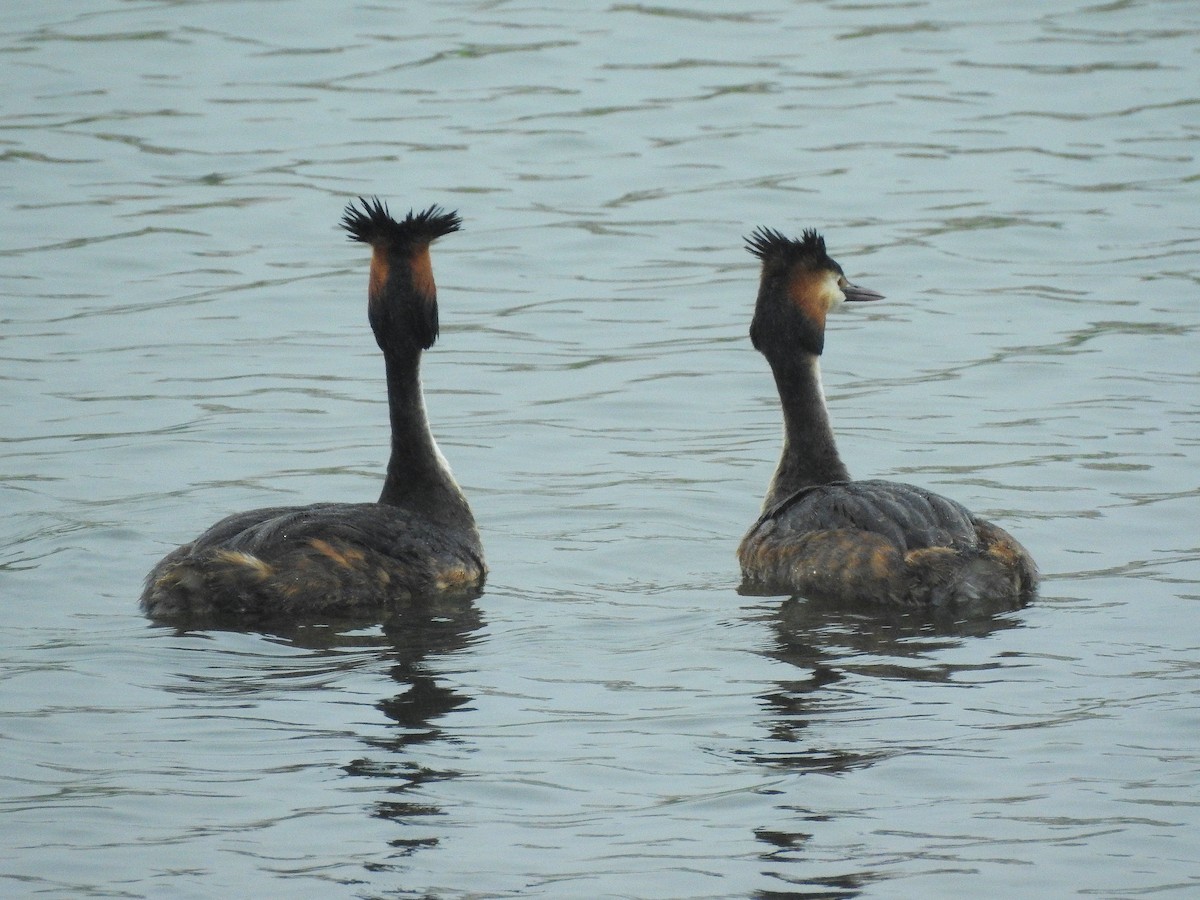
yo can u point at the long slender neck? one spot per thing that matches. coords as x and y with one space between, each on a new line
810 453
417 475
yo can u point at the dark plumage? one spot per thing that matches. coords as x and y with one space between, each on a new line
777 250
822 534
335 559
371 223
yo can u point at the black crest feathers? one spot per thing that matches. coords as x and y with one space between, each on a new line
370 223
776 249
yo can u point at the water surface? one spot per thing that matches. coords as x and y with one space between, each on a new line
184 335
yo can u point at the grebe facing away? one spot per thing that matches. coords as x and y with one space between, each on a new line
821 534
418 540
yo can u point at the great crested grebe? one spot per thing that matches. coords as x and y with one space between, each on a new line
822 535
418 540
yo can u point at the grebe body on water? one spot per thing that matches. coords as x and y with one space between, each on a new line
418 540
823 535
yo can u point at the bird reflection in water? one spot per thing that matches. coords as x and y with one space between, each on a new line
839 656
412 639
423 699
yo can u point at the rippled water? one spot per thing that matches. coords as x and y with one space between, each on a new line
184 335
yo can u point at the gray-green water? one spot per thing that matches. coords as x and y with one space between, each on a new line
184 335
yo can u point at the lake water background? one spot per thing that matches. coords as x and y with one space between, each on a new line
184 335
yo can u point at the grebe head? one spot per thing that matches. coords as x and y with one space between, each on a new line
800 283
402 296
